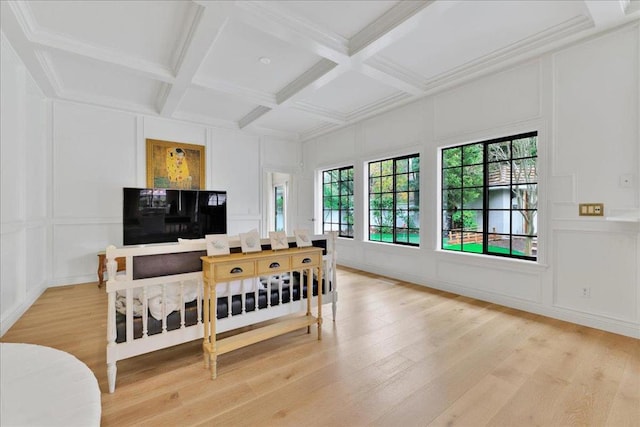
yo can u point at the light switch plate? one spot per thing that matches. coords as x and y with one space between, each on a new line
591 209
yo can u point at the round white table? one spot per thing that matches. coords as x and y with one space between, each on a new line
42 386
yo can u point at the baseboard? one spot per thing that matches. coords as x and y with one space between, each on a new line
74 280
10 318
629 329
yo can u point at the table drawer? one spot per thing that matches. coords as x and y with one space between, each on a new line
305 260
273 265
234 270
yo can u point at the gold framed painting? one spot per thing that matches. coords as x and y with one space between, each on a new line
175 165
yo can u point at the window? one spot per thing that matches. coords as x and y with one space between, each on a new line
278 203
490 197
337 201
394 202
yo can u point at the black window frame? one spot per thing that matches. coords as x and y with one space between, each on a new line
342 181
396 230
511 164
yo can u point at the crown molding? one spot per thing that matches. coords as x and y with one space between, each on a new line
264 131
378 106
201 120
318 131
330 116
391 74
107 101
44 59
512 52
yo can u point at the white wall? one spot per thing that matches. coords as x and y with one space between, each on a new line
583 101
64 166
98 151
24 177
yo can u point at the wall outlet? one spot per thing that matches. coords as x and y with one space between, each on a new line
586 292
626 180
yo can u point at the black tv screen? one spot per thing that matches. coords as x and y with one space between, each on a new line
152 215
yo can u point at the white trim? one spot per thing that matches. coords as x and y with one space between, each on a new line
626 328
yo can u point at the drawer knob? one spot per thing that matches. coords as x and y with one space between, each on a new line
235 270
274 265
306 260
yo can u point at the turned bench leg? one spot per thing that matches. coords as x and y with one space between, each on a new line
111 376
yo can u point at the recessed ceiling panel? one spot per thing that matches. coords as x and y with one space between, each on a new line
214 105
89 78
268 55
151 30
345 18
349 92
236 58
452 34
289 120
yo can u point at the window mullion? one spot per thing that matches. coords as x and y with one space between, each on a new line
485 198
395 202
510 197
339 201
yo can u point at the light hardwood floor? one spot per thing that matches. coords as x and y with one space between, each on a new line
397 355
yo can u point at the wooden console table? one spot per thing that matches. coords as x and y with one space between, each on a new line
225 268
102 266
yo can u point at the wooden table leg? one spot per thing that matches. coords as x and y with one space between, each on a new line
102 260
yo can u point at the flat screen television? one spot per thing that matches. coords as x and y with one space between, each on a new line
152 215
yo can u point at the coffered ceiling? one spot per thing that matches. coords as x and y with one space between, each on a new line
295 69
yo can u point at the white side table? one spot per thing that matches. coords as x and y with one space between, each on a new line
42 386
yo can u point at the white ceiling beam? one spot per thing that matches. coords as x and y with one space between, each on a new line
253 115
606 12
317 76
270 18
391 75
206 29
30 56
401 19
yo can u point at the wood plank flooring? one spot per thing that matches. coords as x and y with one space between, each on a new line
397 355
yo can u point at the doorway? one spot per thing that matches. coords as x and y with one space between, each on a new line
277 195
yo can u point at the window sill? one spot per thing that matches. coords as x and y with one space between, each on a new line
390 245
